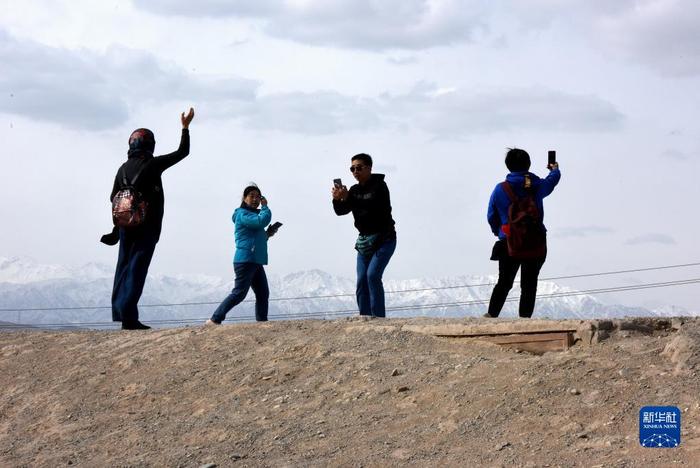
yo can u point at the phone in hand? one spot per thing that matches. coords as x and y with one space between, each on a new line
338 183
272 229
551 157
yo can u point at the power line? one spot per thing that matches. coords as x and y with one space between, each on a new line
333 313
329 296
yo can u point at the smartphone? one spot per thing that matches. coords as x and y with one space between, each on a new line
338 183
276 225
551 157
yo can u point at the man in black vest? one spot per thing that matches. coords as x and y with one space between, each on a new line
137 244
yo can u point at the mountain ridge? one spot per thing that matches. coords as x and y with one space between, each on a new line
27 284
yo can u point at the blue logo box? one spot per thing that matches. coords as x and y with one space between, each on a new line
659 426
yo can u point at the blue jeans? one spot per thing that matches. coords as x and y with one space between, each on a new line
370 289
135 253
248 275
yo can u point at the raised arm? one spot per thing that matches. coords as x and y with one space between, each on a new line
551 181
255 220
341 200
168 160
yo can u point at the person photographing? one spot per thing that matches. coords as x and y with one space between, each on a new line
516 216
370 205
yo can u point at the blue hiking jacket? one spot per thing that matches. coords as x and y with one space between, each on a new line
499 202
251 237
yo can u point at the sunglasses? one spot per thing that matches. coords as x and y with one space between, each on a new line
357 168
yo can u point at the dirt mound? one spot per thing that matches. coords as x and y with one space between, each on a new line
346 392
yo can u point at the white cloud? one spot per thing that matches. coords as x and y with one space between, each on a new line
583 231
652 238
57 85
677 155
212 8
94 91
85 89
458 112
316 113
440 112
662 34
358 24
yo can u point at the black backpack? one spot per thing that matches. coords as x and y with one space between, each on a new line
128 206
525 232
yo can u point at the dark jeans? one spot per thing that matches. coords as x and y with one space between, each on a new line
507 269
370 289
135 253
248 275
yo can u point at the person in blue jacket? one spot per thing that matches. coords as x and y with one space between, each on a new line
250 257
520 180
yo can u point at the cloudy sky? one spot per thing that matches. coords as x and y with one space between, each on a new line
287 90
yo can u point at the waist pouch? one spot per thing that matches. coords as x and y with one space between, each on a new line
367 244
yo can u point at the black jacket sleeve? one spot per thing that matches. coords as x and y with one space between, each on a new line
342 207
115 188
161 163
383 198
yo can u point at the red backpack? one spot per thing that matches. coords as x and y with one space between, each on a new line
128 206
525 232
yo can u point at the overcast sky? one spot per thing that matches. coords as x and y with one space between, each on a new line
287 90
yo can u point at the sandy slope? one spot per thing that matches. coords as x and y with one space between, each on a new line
347 392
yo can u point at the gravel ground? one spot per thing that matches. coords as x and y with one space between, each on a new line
340 393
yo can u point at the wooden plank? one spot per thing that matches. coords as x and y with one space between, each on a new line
504 333
537 343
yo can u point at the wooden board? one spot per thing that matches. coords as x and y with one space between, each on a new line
532 342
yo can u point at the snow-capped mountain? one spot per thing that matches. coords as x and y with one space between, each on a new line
83 296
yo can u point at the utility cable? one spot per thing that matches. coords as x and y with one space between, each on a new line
324 314
328 296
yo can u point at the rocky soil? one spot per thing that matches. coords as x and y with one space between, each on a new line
341 393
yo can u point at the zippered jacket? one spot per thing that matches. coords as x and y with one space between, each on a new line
251 237
499 202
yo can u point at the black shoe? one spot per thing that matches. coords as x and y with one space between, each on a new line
135 325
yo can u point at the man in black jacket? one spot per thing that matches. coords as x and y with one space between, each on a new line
137 244
370 204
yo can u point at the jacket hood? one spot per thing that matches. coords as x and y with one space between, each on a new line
517 179
142 142
374 179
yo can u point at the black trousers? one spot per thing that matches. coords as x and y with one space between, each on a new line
135 253
507 269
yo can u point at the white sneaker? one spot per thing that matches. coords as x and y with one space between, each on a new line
211 323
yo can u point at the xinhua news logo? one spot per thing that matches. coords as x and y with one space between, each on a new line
659 426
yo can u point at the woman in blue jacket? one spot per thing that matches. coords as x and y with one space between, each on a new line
251 254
